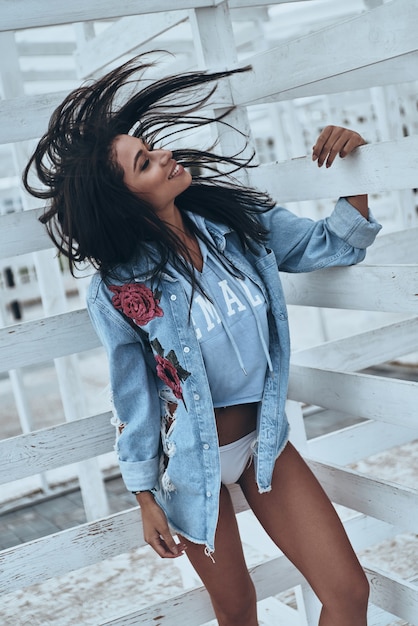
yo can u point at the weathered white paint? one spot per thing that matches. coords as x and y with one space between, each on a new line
26 117
18 14
42 340
390 288
377 55
389 502
372 169
353 443
56 446
362 395
394 594
283 68
123 37
384 343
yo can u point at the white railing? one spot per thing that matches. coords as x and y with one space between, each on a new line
375 54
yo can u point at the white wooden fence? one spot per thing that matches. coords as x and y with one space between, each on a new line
374 49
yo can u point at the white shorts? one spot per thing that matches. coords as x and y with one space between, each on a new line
235 457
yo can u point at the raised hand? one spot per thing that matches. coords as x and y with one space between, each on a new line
335 140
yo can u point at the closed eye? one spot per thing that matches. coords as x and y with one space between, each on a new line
144 165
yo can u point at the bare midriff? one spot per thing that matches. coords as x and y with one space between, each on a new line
234 422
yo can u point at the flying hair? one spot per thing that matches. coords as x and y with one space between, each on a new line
90 214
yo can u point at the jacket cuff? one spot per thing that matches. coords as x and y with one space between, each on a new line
348 224
140 475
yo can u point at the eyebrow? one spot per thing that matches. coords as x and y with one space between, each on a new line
137 156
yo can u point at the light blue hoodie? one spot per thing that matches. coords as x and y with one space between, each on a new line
155 359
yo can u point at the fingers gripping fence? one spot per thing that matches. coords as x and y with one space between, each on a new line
295 88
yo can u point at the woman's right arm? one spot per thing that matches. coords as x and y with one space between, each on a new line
156 531
137 412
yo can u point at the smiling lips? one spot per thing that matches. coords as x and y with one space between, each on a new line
177 169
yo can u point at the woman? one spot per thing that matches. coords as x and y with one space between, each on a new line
188 303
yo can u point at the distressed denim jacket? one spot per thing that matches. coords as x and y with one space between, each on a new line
156 364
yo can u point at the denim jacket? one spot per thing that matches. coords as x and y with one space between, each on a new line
156 364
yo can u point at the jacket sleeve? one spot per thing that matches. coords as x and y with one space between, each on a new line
303 245
134 392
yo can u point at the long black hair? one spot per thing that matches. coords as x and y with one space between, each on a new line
91 215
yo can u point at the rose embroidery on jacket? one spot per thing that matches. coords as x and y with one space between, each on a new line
169 369
137 302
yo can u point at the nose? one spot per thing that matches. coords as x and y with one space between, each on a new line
165 156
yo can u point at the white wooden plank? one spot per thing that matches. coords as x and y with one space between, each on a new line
397 247
56 446
361 395
89 543
390 502
85 544
274 576
394 594
123 37
285 67
371 169
387 72
193 607
27 117
21 233
361 287
348 354
42 340
17 14
82 545
354 443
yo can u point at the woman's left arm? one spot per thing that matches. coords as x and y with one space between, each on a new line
303 245
336 140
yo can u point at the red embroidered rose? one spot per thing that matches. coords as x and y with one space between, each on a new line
137 302
167 372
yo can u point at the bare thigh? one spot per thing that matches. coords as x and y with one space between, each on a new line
227 579
301 520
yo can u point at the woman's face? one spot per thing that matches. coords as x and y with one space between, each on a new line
151 174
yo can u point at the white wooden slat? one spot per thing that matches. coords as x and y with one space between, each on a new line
193 607
384 343
82 545
85 544
357 442
21 233
18 14
361 287
371 169
386 72
16 124
285 67
123 37
372 397
53 447
397 247
394 594
378 617
96 541
39 341
389 502
27 117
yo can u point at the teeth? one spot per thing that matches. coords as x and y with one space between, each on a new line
174 172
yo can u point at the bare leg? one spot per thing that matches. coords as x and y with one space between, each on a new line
227 580
301 520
